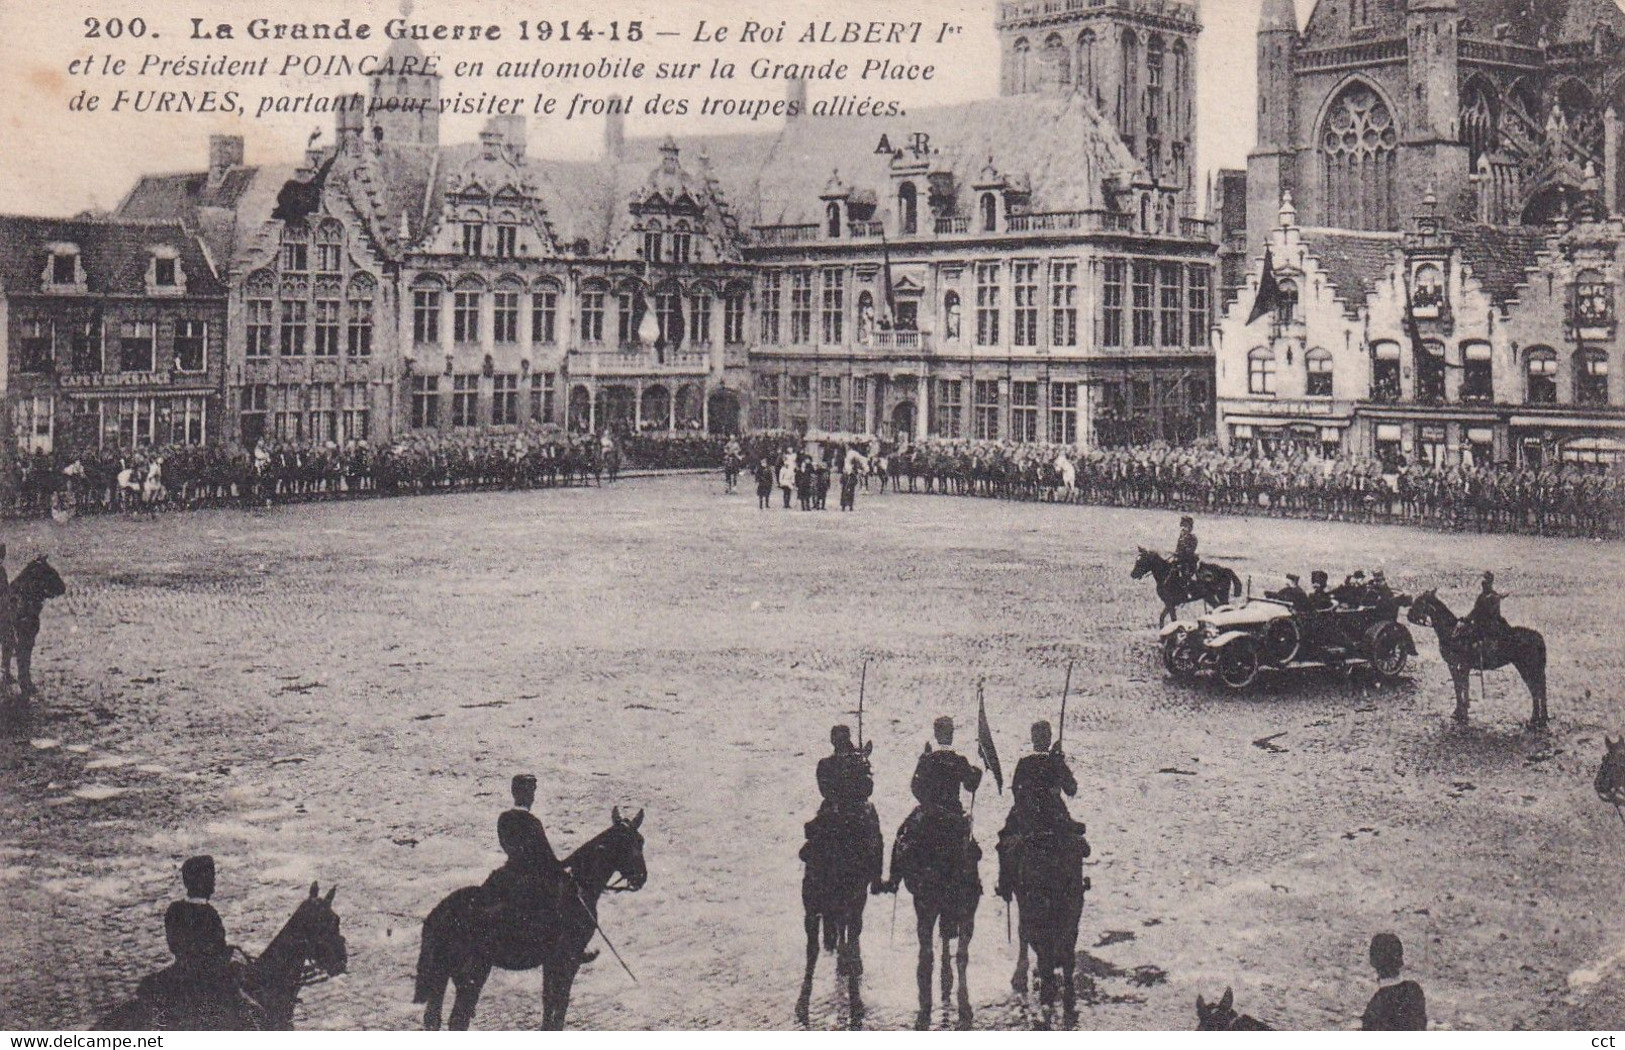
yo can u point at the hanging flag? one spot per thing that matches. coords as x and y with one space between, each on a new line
1269 291
984 745
888 318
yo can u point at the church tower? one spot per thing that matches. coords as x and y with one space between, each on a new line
1272 166
406 110
1136 63
1435 159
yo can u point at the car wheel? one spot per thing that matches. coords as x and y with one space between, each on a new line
1238 664
1389 656
1282 640
1179 656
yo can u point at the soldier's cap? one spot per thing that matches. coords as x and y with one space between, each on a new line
1187 521
943 726
1489 577
524 780
840 734
1359 574
1318 576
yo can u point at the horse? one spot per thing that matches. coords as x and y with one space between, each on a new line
1213 584
1222 1017
1049 897
308 949
731 465
1523 648
464 937
21 602
834 890
943 880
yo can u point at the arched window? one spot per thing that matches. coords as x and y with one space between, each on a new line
358 337
1058 62
295 248
1385 388
866 315
1541 368
329 246
908 208
1430 388
1427 290
832 219
1086 63
1261 372
950 317
1480 115
1128 98
1179 91
1021 67
1357 147
1591 377
1286 309
1318 364
990 213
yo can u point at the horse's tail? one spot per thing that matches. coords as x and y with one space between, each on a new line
432 974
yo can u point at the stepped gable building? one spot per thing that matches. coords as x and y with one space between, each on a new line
1508 111
113 333
1016 268
1507 354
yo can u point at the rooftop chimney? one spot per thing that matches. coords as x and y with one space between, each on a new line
513 134
615 130
225 153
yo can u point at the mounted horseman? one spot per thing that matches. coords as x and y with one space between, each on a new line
844 854
533 886
1042 783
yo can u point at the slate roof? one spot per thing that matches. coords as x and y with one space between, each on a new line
1352 261
1500 257
115 254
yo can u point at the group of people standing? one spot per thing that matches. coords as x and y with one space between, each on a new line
809 478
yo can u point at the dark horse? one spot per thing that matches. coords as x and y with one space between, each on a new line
1214 584
943 881
1222 1017
464 937
20 605
834 890
308 947
1521 647
1049 895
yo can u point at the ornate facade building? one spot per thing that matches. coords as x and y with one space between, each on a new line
113 334
1507 111
1506 353
1027 267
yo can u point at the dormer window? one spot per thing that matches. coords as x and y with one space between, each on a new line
682 245
329 247
295 252
1593 300
990 213
164 276
64 271
1427 290
473 238
507 241
832 220
908 209
653 246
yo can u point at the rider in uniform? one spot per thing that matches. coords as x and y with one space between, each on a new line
532 885
1040 781
846 782
1185 560
1319 599
938 777
202 972
1485 621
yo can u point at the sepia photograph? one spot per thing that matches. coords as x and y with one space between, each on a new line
421 607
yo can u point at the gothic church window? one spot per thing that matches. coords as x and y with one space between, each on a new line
1358 143
1057 61
1479 132
1021 68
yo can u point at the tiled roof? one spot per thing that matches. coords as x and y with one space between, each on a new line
1500 257
1352 261
115 254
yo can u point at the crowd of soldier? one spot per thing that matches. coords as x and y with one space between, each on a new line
1549 501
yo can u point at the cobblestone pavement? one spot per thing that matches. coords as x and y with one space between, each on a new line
340 692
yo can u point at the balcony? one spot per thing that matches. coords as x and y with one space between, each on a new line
639 362
901 342
859 231
806 233
953 224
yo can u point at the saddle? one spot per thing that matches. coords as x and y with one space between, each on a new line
843 834
201 998
938 842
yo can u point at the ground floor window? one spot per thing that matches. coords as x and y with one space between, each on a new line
1063 413
950 407
357 412
465 400
800 406
860 405
1479 448
1024 410
767 402
541 397
1387 445
829 403
287 413
324 417
1431 445
251 415
33 418
505 400
987 409
425 402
